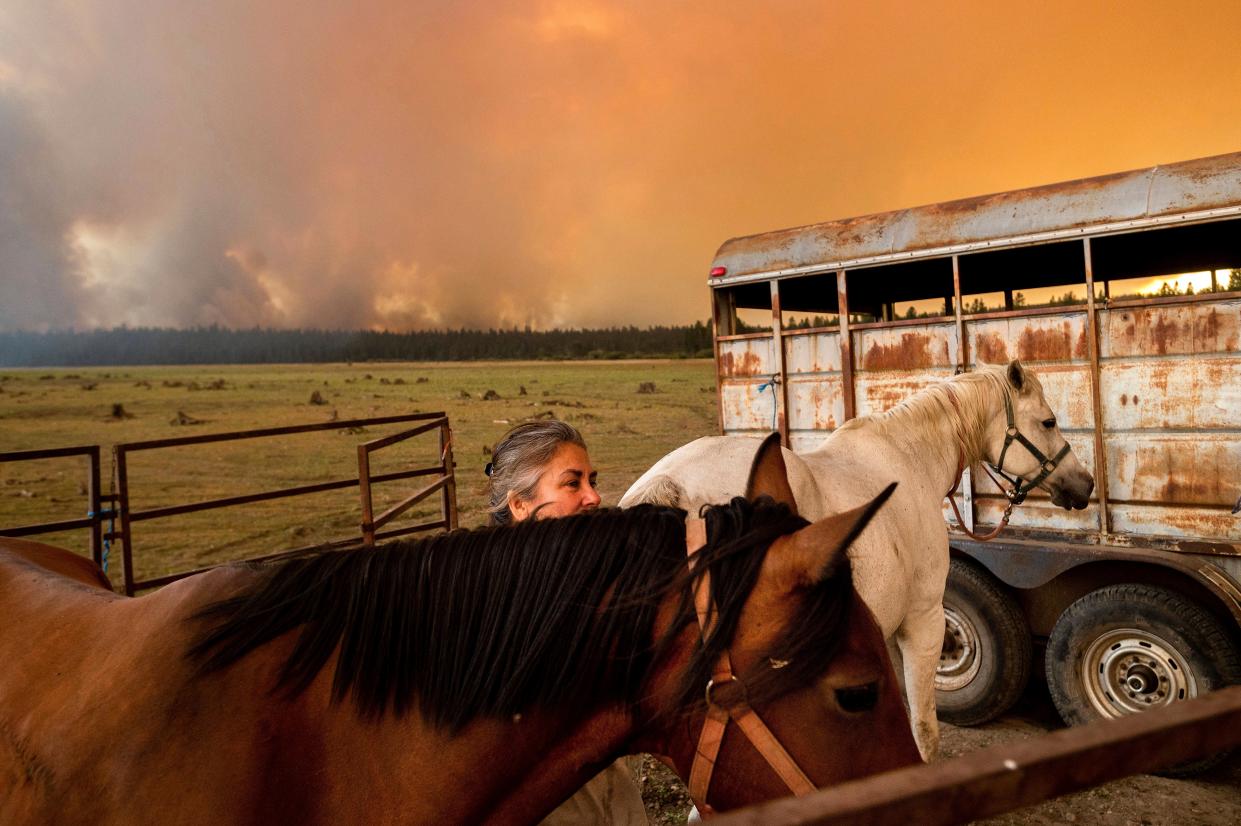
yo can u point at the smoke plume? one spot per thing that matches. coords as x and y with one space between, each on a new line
414 165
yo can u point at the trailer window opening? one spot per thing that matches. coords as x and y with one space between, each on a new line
1022 278
743 309
1183 260
897 292
810 302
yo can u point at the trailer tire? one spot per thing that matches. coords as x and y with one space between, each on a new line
985 663
1125 648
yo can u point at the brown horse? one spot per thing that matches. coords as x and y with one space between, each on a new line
58 560
470 677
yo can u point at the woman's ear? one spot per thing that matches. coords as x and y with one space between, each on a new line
518 507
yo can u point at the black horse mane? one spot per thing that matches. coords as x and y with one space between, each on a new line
498 621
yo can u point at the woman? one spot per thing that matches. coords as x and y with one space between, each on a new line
541 470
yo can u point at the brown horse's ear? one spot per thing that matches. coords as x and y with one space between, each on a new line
812 554
768 474
1017 375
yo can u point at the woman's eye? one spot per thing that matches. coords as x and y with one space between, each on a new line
1049 423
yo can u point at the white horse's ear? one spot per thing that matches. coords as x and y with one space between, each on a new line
1017 375
768 474
812 554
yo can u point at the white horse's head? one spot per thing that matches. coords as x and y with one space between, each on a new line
1024 440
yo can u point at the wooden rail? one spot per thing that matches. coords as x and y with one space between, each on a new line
1011 775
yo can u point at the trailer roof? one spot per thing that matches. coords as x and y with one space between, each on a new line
1202 188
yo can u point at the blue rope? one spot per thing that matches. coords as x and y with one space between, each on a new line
774 404
107 543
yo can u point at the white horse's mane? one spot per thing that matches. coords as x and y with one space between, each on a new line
918 420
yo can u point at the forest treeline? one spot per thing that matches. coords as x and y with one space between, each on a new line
220 345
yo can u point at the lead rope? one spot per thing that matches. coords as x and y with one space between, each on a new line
112 506
1008 494
109 511
775 404
1008 511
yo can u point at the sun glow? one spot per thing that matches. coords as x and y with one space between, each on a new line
1183 282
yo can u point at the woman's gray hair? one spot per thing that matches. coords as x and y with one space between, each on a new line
519 459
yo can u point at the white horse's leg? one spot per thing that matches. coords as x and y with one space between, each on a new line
921 639
898 665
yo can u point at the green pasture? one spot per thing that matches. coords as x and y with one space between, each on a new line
626 430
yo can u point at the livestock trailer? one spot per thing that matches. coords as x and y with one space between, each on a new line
1123 292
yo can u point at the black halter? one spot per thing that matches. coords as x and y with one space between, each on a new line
1021 487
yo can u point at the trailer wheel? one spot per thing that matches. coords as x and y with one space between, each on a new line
1127 648
985 663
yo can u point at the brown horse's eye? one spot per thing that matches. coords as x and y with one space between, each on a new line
858 698
1049 423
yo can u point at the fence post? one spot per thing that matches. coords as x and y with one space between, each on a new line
96 527
364 490
122 489
448 498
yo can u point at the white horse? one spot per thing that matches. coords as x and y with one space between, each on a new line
900 563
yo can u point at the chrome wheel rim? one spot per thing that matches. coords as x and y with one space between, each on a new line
1127 670
958 661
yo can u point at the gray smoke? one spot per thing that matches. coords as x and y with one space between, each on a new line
425 163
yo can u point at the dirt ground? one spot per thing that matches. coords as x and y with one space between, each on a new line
1210 799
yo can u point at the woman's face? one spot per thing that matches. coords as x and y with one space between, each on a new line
566 487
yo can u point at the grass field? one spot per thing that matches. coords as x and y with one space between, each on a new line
626 430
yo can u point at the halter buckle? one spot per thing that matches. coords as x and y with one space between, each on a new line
714 683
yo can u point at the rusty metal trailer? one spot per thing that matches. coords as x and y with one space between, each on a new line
1138 596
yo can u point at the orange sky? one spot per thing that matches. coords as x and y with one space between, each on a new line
422 164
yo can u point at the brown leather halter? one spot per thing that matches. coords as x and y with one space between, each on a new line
735 707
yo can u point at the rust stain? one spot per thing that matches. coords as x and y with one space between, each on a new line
821 405
1198 523
991 348
1124 400
1081 350
911 352
1045 345
1218 373
1216 332
1163 333
1159 377
1210 325
1179 330
1184 476
813 404
748 365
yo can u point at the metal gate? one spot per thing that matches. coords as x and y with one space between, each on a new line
110 516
